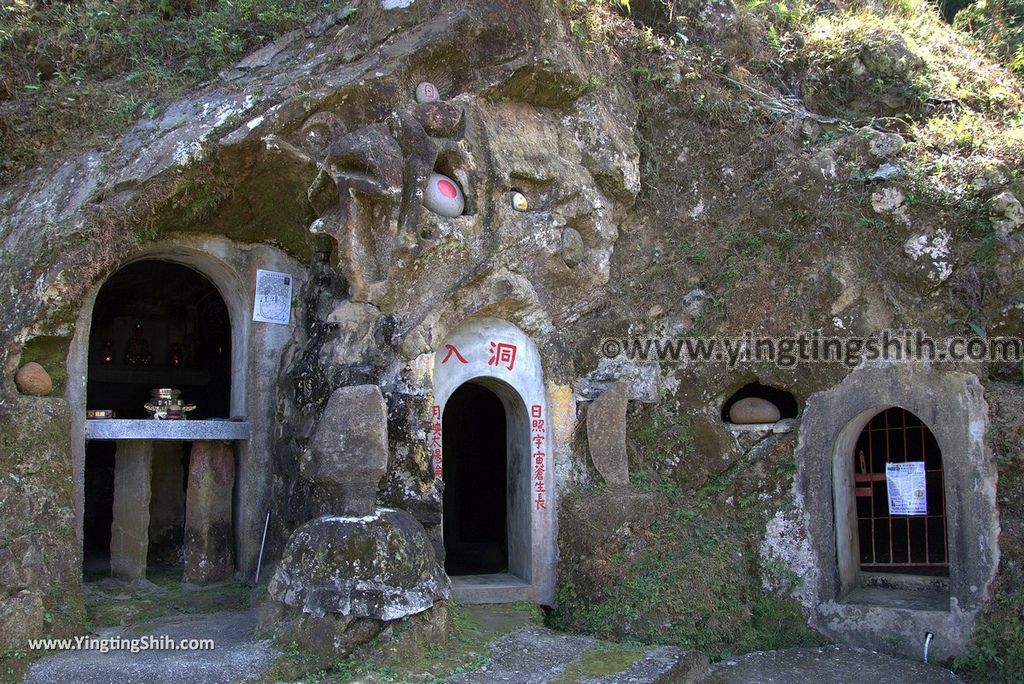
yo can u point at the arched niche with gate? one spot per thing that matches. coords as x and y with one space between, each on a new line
490 417
949 414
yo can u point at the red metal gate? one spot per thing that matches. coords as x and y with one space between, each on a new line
899 542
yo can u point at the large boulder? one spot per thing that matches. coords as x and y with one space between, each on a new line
380 566
348 453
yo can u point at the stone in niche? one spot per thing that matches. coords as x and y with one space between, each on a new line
33 379
754 410
573 249
427 92
519 202
443 196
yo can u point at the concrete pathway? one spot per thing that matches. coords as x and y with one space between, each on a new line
236 655
532 655
540 656
832 664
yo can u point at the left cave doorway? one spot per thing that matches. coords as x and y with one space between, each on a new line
155 324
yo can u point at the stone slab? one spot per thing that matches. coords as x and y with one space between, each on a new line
539 656
129 531
237 656
833 664
179 430
606 434
483 589
209 537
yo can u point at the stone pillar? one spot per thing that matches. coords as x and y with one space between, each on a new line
129 532
209 539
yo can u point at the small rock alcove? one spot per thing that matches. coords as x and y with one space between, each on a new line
750 405
490 444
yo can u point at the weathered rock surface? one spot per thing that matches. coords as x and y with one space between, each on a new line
21 618
597 518
380 566
834 664
606 434
33 379
348 453
753 410
1007 213
209 540
538 656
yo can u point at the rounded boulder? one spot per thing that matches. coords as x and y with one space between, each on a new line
34 380
754 410
379 566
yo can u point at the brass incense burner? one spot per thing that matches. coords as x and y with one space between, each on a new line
166 404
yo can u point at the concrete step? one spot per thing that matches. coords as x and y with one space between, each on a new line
541 656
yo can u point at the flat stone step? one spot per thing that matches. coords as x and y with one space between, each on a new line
236 655
540 656
832 664
499 588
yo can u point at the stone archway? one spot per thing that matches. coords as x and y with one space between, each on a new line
499 365
255 355
894 615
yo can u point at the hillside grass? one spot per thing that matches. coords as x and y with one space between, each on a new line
75 74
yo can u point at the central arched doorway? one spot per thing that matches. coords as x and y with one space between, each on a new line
476 477
490 444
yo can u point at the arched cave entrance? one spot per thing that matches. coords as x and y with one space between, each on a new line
908 534
476 482
154 324
490 443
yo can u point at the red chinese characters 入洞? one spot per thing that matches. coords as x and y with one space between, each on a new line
502 353
435 440
537 437
452 349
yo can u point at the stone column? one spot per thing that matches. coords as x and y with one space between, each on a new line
209 539
129 532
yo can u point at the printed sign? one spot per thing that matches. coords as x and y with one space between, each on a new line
273 297
906 483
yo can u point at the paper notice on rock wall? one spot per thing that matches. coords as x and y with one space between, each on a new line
907 494
273 297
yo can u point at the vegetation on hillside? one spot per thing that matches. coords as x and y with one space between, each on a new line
73 74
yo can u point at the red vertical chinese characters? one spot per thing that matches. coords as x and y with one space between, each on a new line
435 440
537 435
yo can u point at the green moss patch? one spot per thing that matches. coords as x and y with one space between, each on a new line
111 602
474 628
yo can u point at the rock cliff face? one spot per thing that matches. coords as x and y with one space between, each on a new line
617 182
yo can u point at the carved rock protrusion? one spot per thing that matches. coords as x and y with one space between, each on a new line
348 453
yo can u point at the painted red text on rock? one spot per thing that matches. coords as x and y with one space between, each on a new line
435 440
502 353
537 436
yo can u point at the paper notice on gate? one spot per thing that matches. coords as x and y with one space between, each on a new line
273 297
906 482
